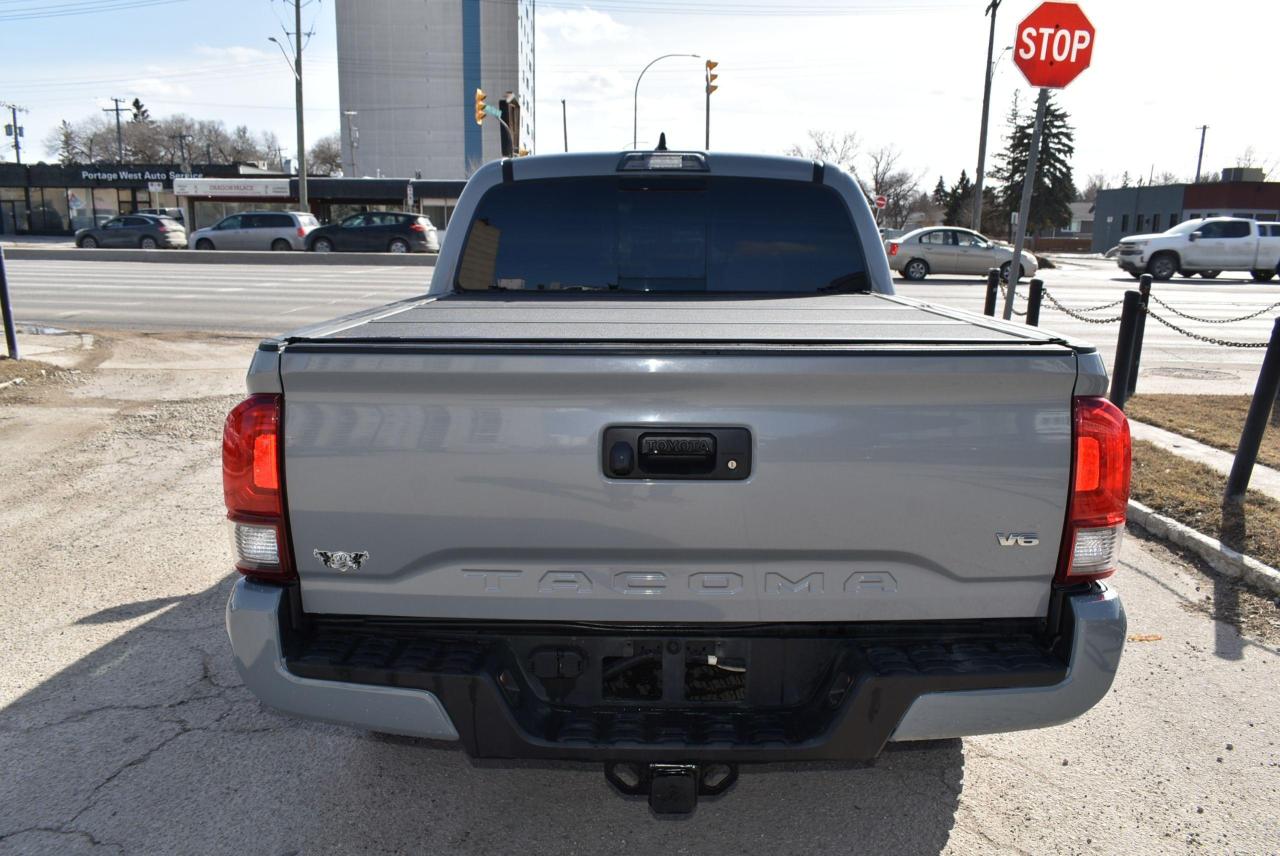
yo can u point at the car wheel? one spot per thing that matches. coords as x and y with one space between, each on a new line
89 242
1007 266
1163 267
280 245
399 245
915 270
322 245
148 243
204 244
1262 275
1210 274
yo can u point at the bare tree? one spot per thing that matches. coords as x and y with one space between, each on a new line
824 146
900 187
325 156
1097 181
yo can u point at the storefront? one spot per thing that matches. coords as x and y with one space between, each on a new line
207 200
52 199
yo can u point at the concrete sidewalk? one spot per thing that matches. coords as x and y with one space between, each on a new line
1265 480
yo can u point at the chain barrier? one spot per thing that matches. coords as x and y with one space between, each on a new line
1004 292
1078 314
1226 343
1181 314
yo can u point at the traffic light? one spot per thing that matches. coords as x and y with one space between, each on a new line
480 106
711 78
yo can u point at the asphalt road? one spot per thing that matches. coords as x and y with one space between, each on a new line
125 729
266 299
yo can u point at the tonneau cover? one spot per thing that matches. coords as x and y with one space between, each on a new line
862 319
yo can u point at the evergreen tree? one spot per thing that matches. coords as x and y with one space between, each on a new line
959 202
1054 188
140 112
940 197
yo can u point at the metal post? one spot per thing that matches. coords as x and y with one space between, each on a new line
564 119
1124 348
1144 291
10 332
986 112
635 97
303 202
1024 210
1033 302
993 286
1264 396
1200 157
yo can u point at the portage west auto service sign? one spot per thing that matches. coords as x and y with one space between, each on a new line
1053 45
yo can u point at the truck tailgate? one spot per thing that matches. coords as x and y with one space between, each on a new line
881 483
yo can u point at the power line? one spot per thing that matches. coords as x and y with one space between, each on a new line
87 7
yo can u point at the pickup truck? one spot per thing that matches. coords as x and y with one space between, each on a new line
1206 247
660 473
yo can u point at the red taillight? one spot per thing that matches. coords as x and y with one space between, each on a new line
1101 458
251 487
893 248
417 227
302 233
160 227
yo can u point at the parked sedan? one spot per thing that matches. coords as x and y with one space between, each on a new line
376 232
134 231
949 250
257 230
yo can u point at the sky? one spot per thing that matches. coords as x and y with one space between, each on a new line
905 73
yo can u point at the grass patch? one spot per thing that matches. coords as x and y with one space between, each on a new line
1214 420
1191 493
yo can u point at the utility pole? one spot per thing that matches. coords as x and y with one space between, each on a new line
119 133
295 65
1200 159
564 118
986 111
353 138
181 140
297 74
14 110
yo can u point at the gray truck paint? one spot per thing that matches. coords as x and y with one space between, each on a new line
1095 655
254 627
880 484
253 624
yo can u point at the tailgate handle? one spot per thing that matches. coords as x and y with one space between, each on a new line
641 452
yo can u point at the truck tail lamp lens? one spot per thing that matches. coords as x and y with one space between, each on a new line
893 248
252 488
417 227
302 233
1102 453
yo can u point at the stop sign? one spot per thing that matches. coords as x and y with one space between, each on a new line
882 201
1054 44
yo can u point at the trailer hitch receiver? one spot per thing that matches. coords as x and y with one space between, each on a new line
671 788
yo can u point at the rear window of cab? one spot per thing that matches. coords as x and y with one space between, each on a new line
668 234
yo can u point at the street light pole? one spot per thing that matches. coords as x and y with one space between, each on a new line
986 112
635 98
353 140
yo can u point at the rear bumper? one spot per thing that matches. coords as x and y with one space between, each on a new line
454 689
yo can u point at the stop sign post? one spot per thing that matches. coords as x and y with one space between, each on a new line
1052 46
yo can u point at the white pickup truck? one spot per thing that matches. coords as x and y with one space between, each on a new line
1206 247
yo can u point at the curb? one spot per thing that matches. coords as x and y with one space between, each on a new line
1219 556
218 257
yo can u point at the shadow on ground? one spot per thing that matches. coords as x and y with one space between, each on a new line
151 745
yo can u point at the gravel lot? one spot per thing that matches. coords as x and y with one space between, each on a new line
123 727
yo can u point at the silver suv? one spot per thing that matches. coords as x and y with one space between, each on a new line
256 230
